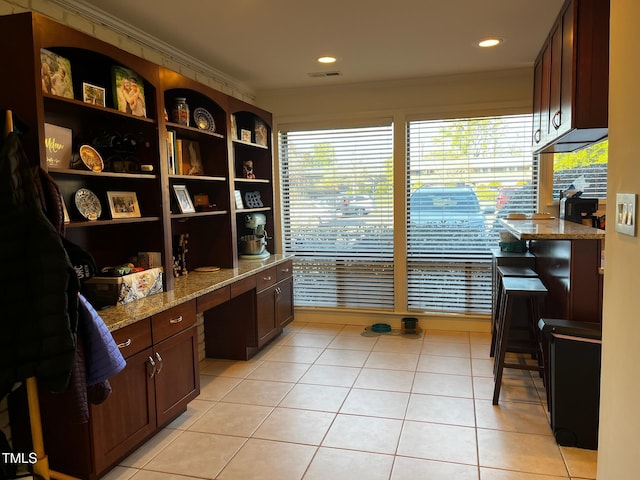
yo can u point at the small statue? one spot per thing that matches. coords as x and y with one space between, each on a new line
247 169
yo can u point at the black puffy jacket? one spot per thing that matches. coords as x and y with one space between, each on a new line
38 286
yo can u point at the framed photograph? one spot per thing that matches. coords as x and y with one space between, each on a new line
93 94
238 197
128 91
57 142
245 135
56 74
191 158
123 204
184 200
261 133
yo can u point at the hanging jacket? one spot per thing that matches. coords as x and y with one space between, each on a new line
38 286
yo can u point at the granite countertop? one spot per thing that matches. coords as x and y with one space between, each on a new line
551 229
188 287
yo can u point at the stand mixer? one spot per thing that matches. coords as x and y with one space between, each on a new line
253 247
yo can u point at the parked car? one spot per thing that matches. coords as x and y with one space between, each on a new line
354 205
446 219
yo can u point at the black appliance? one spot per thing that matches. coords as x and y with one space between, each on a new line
580 210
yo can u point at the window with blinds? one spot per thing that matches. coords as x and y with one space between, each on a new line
337 200
584 170
462 176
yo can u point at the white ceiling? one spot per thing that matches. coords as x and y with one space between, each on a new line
270 44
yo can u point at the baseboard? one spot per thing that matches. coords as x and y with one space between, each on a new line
426 321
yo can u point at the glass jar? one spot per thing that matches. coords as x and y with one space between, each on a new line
181 111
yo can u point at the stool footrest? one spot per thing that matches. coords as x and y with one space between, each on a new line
520 366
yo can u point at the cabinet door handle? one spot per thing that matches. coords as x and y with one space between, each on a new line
537 135
285 270
555 121
176 320
153 367
160 363
267 278
125 344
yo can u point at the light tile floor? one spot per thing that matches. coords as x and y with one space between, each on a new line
324 402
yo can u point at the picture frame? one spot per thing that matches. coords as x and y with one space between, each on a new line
55 71
58 145
128 91
238 198
93 94
245 135
261 132
123 205
184 199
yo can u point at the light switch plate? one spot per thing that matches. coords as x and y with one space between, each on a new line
626 213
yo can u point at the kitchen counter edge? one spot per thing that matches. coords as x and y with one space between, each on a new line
551 229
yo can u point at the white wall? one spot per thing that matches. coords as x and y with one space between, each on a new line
619 448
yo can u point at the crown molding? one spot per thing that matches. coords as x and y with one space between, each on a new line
119 26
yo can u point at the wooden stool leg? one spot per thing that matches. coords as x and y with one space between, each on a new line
502 341
494 319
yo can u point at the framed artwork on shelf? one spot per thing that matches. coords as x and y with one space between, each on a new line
188 158
238 197
261 133
57 142
184 200
245 135
93 94
55 71
128 91
123 204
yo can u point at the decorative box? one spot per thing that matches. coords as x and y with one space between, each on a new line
102 291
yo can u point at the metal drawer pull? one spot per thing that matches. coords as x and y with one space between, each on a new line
160 363
176 320
285 270
153 366
555 120
266 279
125 344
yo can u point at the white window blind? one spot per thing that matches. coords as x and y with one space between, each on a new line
337 202
462 175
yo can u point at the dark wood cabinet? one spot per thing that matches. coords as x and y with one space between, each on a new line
128 417
259 308
274 302
571 79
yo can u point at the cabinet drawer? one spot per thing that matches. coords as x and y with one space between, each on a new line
243 286
266 278
133 338
171 321
213 299
285 270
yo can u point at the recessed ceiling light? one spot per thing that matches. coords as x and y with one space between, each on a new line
490 42
327 59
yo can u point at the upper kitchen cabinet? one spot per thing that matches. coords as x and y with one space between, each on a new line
571 79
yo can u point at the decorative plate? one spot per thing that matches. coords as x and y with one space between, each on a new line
91 158
88 204
204 120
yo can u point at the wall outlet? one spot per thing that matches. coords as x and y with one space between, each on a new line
626 213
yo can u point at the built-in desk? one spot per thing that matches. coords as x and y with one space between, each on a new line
569 263
193 286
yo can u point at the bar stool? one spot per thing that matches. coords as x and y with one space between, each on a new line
533 291
504 271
